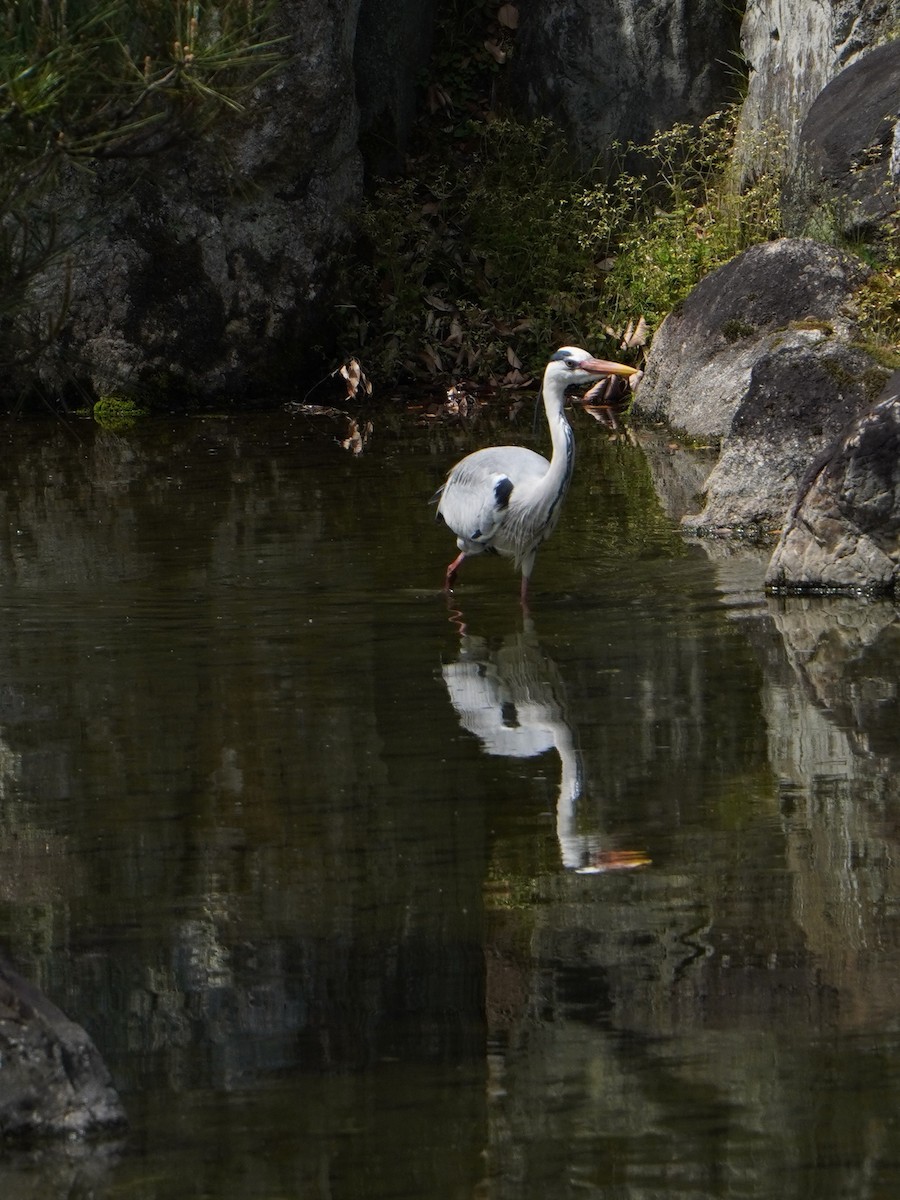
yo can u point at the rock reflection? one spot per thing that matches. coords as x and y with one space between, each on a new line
832 720
512 698
833 716
826 640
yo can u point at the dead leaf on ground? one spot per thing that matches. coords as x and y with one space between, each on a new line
508 16
431 359
496 51
455 336
611 390
635 335
632 337
515 379
437 98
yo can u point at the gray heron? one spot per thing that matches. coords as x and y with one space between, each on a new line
506 499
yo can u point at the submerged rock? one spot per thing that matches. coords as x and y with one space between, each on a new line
843 532
53 1081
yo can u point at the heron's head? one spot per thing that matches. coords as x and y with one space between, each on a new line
572 365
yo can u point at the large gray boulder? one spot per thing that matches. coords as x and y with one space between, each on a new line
848 161
843 532
774 295
793 51
619 70
761 355
53 1082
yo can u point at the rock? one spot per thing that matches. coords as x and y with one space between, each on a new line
204 272
760 355
399 34
793 51
843 532
619 70
53 1082
801 394
200 272
776 294
849 151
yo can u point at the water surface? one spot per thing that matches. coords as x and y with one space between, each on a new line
361 894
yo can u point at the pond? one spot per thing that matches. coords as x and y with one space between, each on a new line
364 894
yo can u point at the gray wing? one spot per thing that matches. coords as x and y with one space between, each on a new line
476 496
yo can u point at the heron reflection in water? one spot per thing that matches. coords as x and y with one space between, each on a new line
512 699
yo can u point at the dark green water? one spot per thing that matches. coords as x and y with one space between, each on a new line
364 896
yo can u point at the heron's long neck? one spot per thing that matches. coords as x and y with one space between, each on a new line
562 461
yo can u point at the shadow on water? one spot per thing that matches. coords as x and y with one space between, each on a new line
328 877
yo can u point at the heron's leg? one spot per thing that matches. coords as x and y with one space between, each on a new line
527 568
452 570
523 595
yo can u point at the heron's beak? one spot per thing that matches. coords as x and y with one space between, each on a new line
602 366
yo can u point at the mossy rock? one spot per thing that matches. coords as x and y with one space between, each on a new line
117 414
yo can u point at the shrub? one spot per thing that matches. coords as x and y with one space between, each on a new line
486 261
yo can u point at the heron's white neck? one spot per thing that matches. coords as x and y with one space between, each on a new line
562 461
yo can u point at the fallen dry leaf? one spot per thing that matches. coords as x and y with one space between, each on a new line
635 335
455 336
508 16
355 379
610 390
437 98
496 51
356 438
515 379
431 359
632 336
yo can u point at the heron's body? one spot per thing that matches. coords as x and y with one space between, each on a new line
507 499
